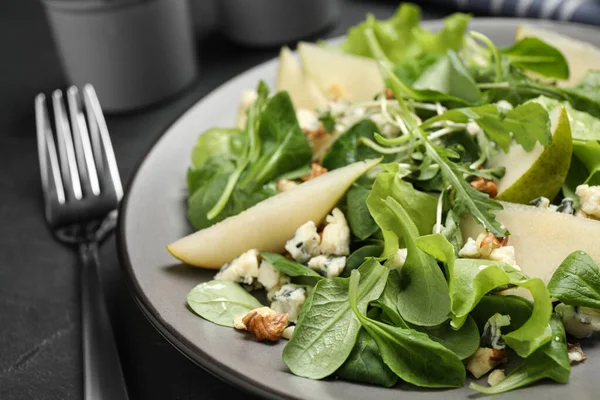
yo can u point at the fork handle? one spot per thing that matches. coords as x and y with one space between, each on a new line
103 377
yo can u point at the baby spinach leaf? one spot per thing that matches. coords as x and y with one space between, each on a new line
538 56
518 308
289 267
283 145
357 258
588 154
576 282
412 355
549 362
221 302
360 220
364 364
422 294
327 328
449 76
220 144
529 123
347 149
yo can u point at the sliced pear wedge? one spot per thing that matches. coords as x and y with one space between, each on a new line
341 75
540 172
581 56
542 238
290 77
268 225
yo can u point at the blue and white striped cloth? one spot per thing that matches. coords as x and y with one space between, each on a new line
582 11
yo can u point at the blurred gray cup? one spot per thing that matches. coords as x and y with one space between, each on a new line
266 23
135 52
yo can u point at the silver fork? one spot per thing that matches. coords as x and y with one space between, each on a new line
82 190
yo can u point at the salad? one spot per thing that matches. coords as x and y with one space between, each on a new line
408 205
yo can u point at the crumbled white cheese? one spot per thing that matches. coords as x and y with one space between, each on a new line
473 128
289 299
328 266
492 331
243 269
484 360
504 105
269 276
399 259
305 243
336 235
540 202
470 249
589 197
496 377
307 119
288 332
283 185
579 322
504 254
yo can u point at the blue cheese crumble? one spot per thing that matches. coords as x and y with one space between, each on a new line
270 277
589 197
305 243
289 299
243 269
336 235
328 266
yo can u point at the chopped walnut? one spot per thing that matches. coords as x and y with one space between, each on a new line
316 170
389 94
264 323
485 186
488 243
484 360
285 184
576 355
316 133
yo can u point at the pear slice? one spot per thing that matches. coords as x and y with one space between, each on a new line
581 56
268 225
290 77
341 75
540 172
542 238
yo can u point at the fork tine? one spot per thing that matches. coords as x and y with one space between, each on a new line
110 170
49 167
81 139
65 146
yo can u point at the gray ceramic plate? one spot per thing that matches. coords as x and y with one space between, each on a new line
153 214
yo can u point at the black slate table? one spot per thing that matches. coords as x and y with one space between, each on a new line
40 356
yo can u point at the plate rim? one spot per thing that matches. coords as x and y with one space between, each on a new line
192 352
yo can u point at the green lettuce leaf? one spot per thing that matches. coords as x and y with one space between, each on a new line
576 282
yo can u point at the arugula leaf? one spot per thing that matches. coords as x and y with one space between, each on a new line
550 361
283 145
357 258
576 282
289 267
535 55
412 355
221 302
422 294
449 76
347 149
327 328
360 220
364 364
402 38
529 123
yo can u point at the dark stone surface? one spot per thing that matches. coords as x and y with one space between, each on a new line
40 353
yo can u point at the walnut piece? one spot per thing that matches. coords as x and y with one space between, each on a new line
317 133
493 241
389 94
316 170
265 324
576 355
484 360
485 186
